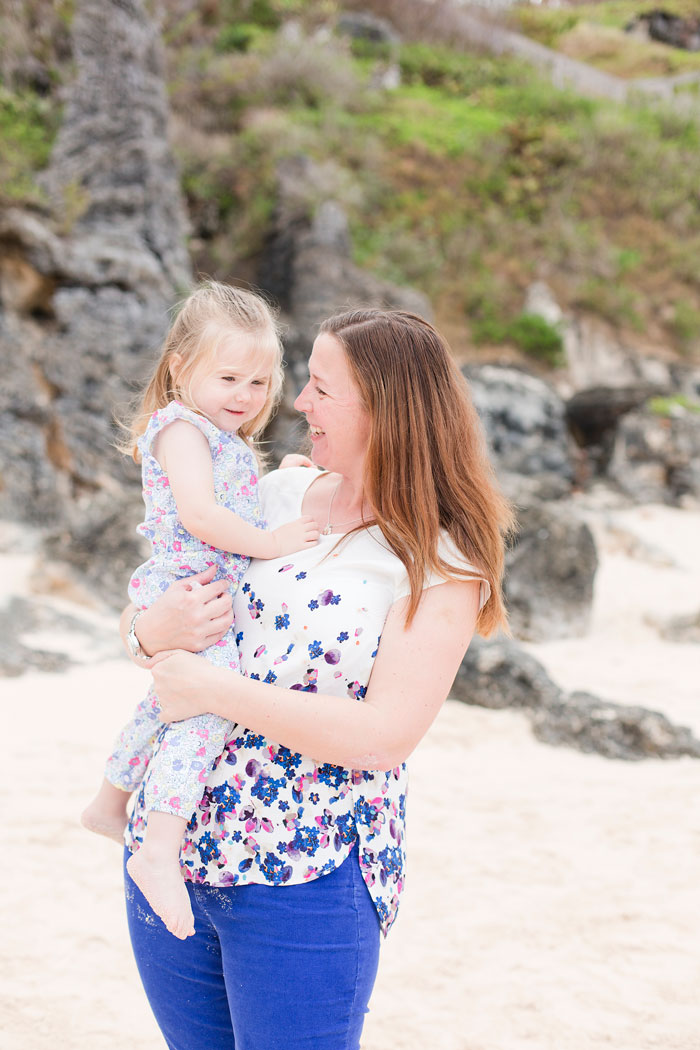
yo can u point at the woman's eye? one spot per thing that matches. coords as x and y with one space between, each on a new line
321 392
229 379
260 382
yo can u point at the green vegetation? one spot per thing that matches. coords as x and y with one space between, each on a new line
529 332
471 180
595 33
27 127
672 406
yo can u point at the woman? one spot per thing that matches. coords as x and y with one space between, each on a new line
295 856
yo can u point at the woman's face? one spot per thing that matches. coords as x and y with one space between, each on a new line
338 421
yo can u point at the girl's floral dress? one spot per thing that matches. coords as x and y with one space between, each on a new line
187 750
310 621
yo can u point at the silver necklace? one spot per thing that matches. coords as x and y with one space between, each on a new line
338 524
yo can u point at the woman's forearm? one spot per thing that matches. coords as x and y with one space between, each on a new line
335 729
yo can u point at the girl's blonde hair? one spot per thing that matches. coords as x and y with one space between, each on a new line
211 314
426 468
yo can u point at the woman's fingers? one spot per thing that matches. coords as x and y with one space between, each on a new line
217 629
203 577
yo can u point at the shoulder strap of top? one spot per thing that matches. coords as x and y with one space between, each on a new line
163 417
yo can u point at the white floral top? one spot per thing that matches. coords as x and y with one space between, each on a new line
310 621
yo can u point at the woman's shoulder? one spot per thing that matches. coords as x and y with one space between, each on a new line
282 492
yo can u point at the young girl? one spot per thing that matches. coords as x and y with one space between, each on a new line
214 388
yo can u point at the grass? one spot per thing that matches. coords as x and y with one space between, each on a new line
28 124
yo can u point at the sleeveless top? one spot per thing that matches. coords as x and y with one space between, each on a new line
175 551
310 621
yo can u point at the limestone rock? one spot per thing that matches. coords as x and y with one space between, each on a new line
85 290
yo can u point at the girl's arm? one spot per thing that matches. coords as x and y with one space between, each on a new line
411 677
183 452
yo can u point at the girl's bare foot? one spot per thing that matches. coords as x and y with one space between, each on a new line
161 882
106 814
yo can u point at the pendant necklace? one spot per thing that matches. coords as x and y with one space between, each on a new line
328 529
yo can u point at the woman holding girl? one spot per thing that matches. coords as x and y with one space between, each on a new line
294 856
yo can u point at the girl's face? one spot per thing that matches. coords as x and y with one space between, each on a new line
230 389
338 421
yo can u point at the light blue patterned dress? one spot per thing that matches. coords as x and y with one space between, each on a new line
186 750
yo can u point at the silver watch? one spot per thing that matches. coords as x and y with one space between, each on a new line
132 642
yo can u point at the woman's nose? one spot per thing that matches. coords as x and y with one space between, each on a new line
302 402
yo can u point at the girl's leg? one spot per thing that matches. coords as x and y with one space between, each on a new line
299 961
155 869
183 980
177 773
125 769
106 814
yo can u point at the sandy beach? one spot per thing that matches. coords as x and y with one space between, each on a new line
554 904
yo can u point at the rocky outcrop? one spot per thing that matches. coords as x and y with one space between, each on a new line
307 267
499 674
656 454
85 286
550 572
525 422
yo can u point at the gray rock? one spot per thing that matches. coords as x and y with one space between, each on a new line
656 458
597 726
524 419
307 267
16 618
550 572
681 629
593 416
498 674
85 290
365 26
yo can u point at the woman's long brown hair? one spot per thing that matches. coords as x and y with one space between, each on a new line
427 467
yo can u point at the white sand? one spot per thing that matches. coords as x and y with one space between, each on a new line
556 905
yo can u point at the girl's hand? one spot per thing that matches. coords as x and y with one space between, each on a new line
180 680
296 536
192 614
293 459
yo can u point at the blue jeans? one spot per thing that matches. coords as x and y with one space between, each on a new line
269 967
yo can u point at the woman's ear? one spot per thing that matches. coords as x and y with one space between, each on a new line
175 366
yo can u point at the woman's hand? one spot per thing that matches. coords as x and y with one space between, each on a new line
192 614
181 681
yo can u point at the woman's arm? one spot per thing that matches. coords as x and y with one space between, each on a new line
411 677
183 452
